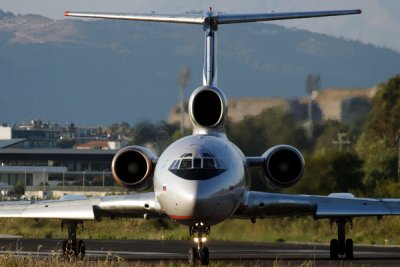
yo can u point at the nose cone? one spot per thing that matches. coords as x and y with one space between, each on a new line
202 201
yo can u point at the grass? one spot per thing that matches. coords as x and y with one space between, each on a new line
10 260
365 230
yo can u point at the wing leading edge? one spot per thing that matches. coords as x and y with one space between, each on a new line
262 205
81 208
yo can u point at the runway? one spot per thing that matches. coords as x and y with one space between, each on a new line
240 253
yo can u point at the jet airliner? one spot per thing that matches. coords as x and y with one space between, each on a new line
202 179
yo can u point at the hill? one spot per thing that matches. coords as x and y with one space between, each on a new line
99 72
346 105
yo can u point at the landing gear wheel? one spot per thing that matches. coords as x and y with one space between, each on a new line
72 248
200 253
69 250
334 249
349 249
192 255
81 249
341 246
204 256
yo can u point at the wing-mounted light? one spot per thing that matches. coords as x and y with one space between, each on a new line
133 167
208 108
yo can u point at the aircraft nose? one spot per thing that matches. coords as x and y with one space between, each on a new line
198 199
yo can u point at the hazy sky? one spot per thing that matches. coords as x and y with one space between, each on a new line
379 24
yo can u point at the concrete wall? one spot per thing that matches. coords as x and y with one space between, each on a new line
5 133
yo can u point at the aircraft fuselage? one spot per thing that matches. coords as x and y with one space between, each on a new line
200 178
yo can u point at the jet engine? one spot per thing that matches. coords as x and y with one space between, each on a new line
208 107
133 167
283 166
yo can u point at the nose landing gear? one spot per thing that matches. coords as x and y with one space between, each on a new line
200 252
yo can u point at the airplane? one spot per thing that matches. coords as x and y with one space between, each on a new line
202 179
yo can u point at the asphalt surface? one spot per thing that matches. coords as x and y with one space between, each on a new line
240 253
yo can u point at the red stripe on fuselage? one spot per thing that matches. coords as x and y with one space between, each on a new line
181 217
178 217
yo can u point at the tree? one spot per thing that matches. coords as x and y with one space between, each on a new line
378 145
330 171
66 143
19 189
384 118
274 126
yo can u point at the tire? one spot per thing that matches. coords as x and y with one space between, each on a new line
69 250
81 249
64 247
349 249
204 256
334 249
192 255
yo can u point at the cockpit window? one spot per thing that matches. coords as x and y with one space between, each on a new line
186 164
198 168
209 163
175 164
196 163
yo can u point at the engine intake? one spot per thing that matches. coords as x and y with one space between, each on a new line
207 107
283 166
133 167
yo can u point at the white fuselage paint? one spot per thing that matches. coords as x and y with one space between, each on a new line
204 200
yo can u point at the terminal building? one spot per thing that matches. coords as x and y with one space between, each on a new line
46 169
56 165
37 134
48 157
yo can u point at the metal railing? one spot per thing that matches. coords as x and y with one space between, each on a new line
76 188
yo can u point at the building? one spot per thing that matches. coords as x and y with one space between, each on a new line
345 105
56 167
101 144
37 134
28 175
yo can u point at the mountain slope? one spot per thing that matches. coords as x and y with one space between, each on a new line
108 71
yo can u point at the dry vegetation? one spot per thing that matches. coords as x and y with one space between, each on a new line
7 260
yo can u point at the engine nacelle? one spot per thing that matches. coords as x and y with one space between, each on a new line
283 166
133 167
208 108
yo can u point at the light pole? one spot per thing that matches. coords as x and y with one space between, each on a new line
44 182
83 183
312 86
183 81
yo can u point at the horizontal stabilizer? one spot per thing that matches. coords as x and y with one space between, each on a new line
241 18
219 18
187 19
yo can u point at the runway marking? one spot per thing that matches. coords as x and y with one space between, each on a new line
134 253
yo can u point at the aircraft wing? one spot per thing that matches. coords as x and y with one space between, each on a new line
337 205
220 18
143 205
